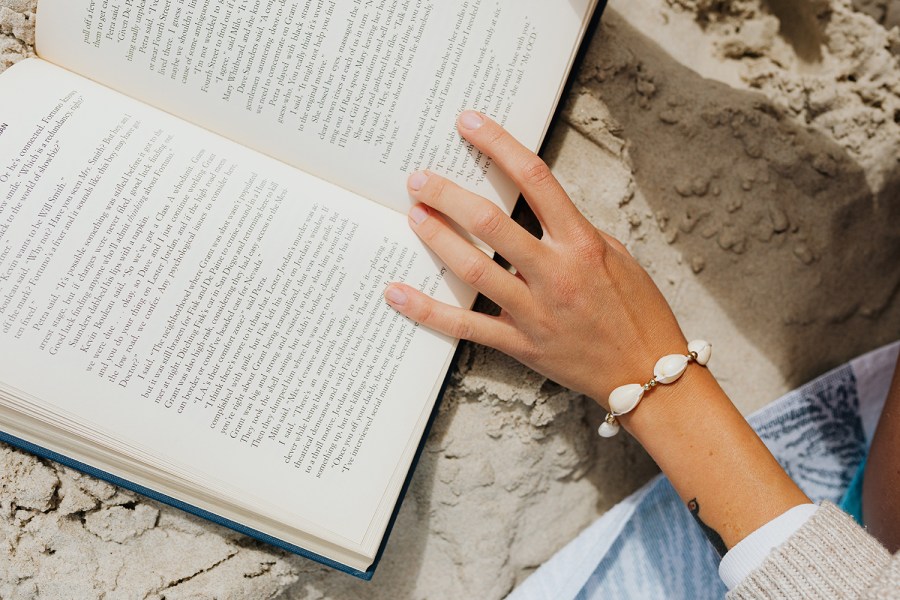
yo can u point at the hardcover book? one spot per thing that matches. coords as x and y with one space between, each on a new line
201 203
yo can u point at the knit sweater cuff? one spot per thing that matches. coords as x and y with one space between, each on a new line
829 557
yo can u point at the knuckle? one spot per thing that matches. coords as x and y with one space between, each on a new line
425 313
437 187
476 271
428 231
497 135
527 352
590 245
566 290
618 246
536 172
489 222
461 328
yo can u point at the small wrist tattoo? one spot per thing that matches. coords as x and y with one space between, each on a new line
711 534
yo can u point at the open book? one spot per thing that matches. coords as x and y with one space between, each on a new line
201 202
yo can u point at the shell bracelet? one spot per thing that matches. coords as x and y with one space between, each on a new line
668 369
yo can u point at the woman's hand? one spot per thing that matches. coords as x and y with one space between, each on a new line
580 309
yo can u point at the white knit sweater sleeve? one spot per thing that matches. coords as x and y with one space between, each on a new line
749 554
829 557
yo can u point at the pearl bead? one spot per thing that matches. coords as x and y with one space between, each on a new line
608 430
703 350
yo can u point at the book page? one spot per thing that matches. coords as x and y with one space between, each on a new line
209 307
356 92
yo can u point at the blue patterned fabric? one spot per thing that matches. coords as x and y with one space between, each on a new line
650 546
851 503
816 434
661 549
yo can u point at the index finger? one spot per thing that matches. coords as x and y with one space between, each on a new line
547 198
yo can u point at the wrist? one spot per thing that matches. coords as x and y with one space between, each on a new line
712 456
675 406
667 370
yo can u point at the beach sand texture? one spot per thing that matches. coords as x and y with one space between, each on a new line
747 152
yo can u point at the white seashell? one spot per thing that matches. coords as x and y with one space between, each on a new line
670 368
608 430
624 398
703 350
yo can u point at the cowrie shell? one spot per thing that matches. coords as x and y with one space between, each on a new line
624 398
670 368
608 429
703 350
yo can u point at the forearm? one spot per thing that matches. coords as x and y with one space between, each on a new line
714 459
881 484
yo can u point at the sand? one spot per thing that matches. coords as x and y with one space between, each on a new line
747 152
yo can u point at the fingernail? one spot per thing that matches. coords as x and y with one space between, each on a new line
395 295
418 214
418 180
471 120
